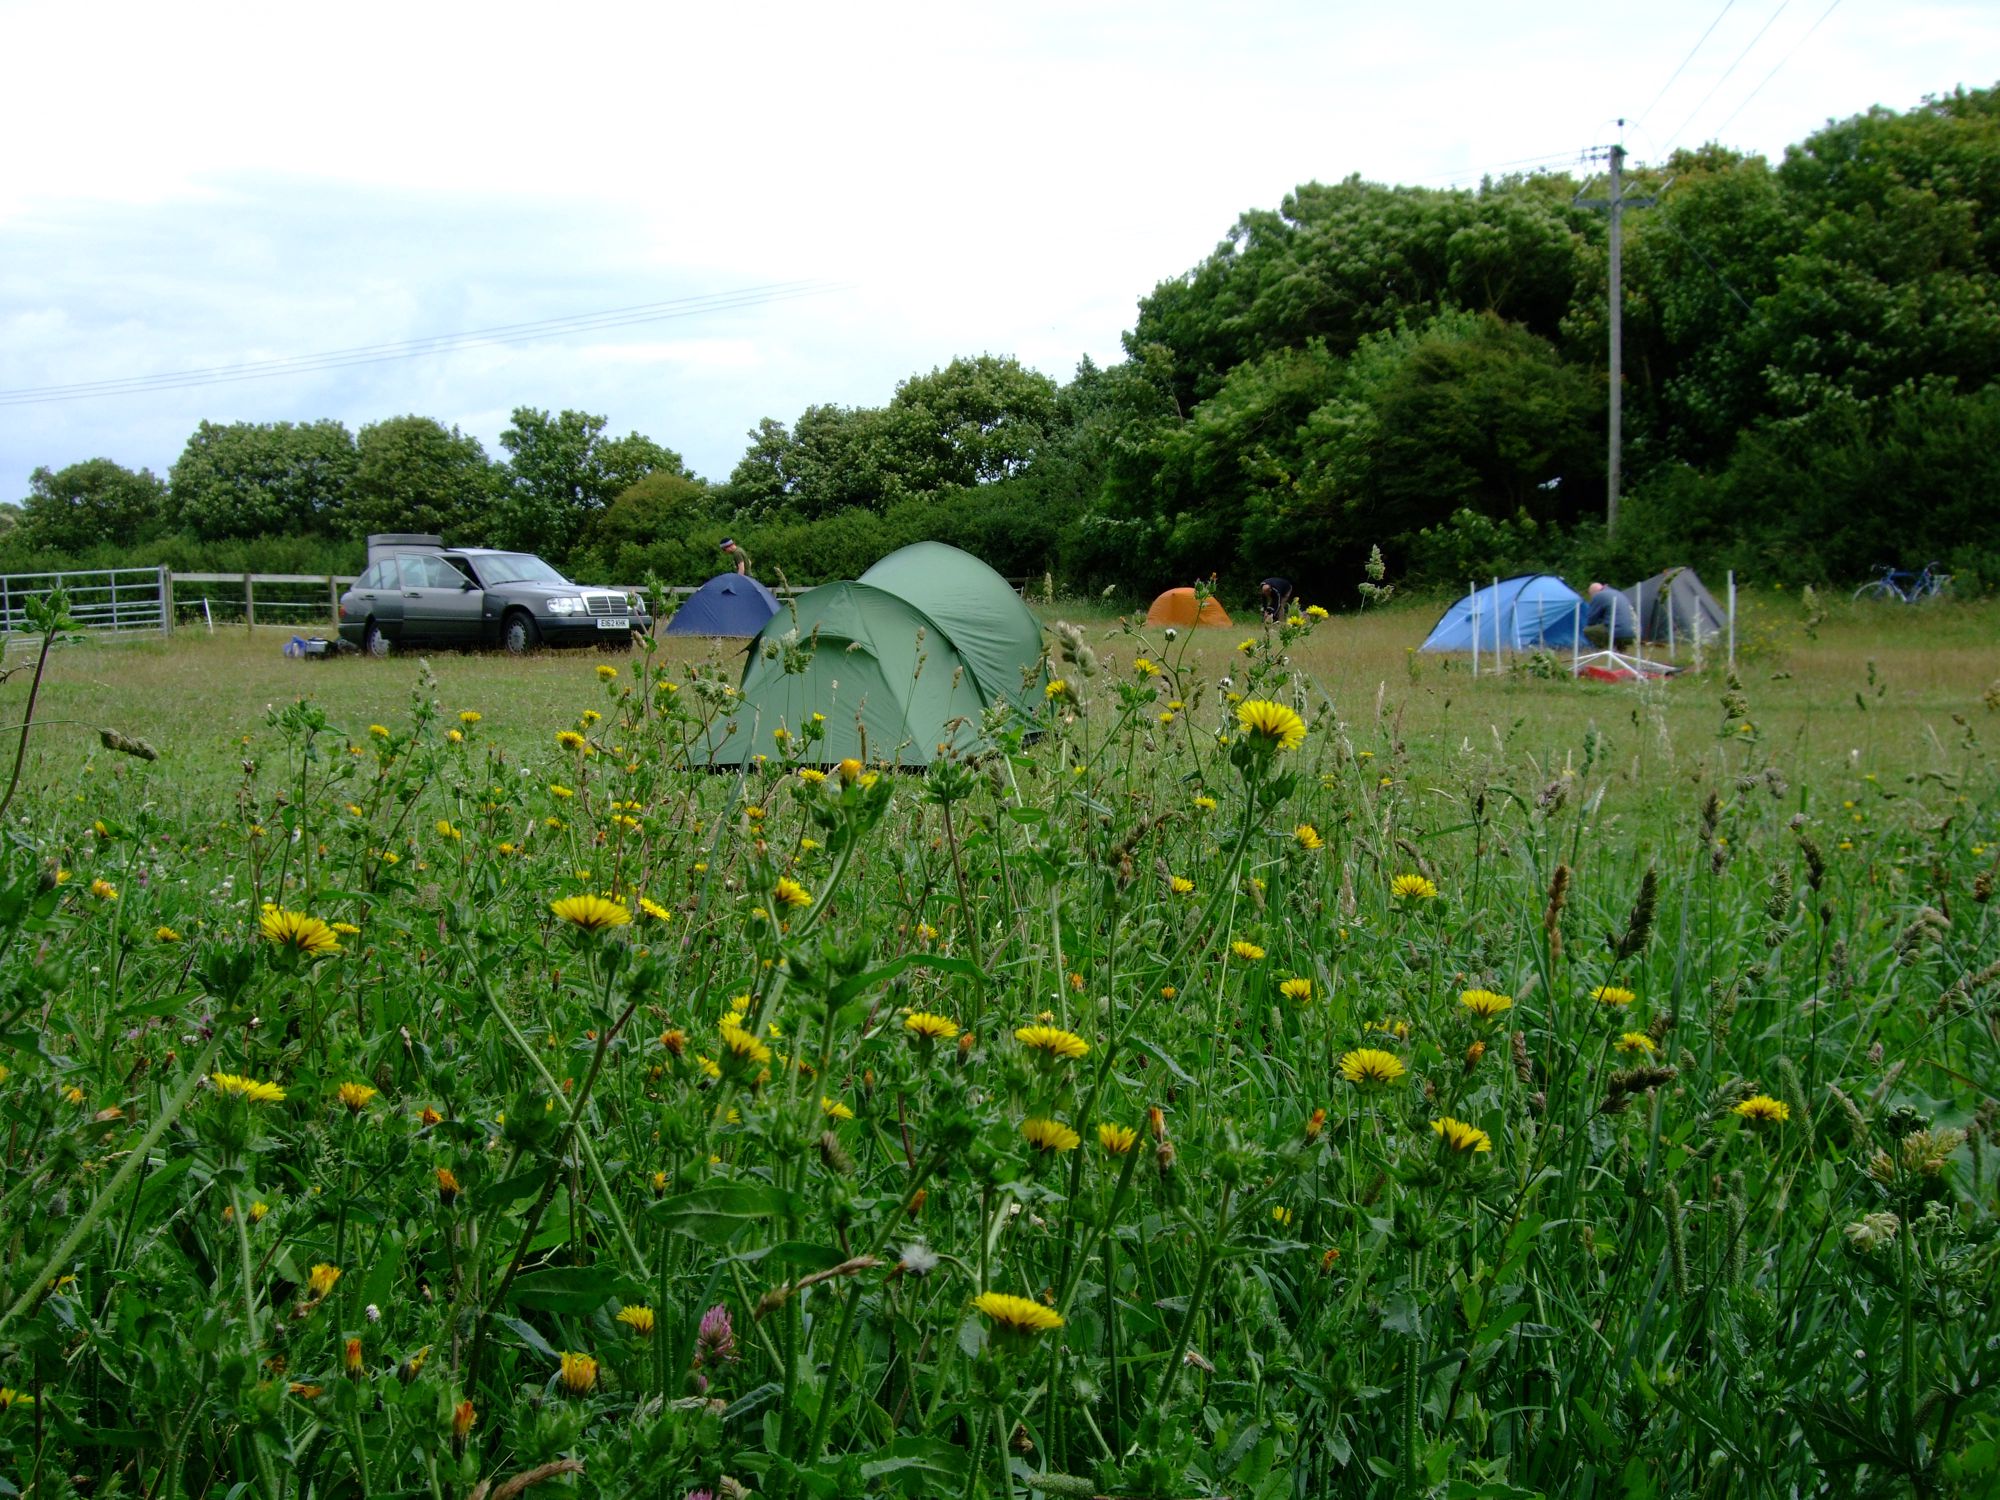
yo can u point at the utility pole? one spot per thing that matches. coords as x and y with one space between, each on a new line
1615 206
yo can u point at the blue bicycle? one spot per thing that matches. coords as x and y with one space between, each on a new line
1903 586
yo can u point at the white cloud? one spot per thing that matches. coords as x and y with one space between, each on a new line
209 183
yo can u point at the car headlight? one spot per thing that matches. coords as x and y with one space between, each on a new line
567 605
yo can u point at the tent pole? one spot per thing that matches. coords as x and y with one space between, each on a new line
1576 640
1473 605
1732 619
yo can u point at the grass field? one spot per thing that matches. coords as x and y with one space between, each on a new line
1298 1069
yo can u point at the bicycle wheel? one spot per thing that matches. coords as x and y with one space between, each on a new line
1881 591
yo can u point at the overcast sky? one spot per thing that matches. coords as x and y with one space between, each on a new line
202 186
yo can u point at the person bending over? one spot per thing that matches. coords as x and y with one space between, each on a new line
1609 620
742 557
1276 594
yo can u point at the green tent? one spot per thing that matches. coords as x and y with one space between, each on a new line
999 637
886 678
902 665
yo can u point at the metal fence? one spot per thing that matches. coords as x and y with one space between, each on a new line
103 601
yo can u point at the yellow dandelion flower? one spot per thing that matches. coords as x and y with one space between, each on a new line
849 771
355 1096
1248 952
743 1046
1180 885
1413 888
236 1086
591 913
1485 1004
810 776
380 731
930 1028
103 890
1281 1216
788 892
606 672
345 929
653 909
1056 688
447 830
1315 612
1271 723
1307 837
1371 1065
1049 1135
833 1109
569 739
296 930
165 935
1761 1110
1117 1140
638 1318
1637 1041
1461 1137
578 1374
557 790
1143 667
1052 1042
1204 804
470 716
1300 990
1612 994
1022 1315
322 1278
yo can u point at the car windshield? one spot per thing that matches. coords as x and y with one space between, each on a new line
514 567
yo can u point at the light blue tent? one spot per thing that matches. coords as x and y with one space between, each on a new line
1515 614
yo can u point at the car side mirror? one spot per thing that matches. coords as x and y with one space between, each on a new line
467 586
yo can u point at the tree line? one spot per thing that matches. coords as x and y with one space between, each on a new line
1811 359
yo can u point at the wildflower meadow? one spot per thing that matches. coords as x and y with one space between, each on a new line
1220 1087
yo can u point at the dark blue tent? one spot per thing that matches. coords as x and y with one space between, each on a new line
1515 614
728 604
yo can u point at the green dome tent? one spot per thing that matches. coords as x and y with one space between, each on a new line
888 682
999 637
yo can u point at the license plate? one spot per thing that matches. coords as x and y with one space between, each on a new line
616 622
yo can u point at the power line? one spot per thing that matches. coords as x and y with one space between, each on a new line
367 354
1648 110
1475 174
1781 62
1675 137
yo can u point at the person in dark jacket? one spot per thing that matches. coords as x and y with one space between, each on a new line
742 557
1276 593
1609 619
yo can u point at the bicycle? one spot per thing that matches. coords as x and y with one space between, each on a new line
1904 586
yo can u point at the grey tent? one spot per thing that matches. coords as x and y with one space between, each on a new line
1673 606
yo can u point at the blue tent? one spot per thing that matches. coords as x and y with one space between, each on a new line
728 604
1515 614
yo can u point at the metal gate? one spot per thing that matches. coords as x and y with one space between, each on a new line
103 601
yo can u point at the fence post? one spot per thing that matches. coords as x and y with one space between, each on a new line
166 601
332 599
250 600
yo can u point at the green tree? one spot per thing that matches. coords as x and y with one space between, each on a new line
247 479
415 474
563 470
90 504
972 422
662 507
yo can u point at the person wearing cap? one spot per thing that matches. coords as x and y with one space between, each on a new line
742 557
1609 619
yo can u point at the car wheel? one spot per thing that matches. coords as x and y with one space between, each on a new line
518 633
373 641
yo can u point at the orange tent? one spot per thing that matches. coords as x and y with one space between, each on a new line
1177 607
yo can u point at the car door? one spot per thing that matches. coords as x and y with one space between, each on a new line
379 596
438 605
